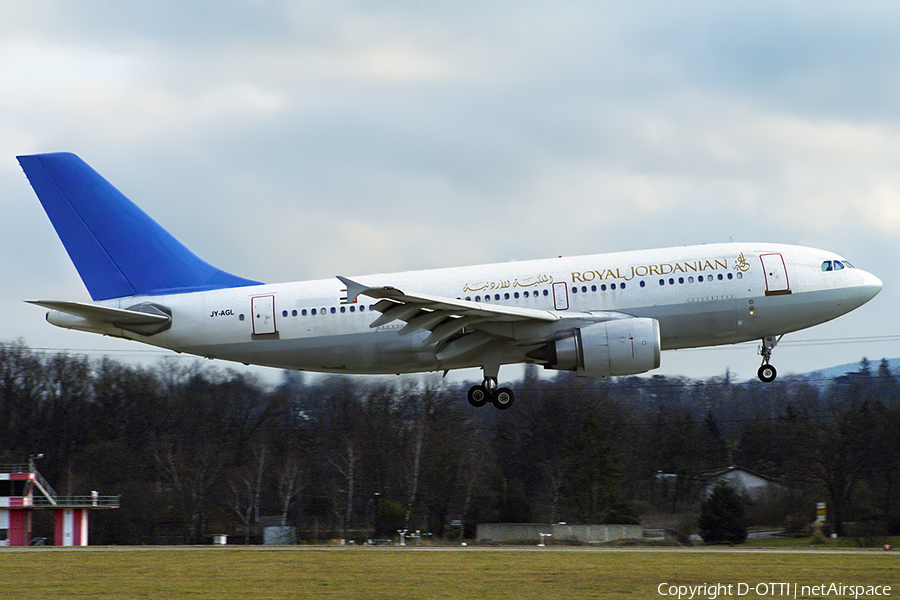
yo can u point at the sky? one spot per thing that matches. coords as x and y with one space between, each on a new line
284 141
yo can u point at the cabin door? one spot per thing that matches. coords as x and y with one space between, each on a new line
263 314
775 273
561 295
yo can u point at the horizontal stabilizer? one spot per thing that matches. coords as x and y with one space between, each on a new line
145 318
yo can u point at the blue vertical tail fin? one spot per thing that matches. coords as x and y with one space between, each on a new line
116 247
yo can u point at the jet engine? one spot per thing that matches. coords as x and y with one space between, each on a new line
610 348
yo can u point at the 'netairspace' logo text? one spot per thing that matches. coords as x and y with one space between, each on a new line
711 591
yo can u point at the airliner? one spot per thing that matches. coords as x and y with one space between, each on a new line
600 315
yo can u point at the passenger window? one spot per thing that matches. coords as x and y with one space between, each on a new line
826 266
343 309
294 313
593 288
546 292
313 312
643 284
516 295
303 313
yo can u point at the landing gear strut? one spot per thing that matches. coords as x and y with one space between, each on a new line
767 372
479 395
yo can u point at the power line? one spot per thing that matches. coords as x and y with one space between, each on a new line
737 346
798 343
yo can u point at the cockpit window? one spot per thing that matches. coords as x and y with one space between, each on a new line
836 265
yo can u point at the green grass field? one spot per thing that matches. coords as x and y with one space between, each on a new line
371 573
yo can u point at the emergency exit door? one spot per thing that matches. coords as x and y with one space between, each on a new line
775 273
561 295
263 314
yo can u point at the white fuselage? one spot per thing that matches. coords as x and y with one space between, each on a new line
700 295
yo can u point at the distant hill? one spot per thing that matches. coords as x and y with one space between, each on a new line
824 376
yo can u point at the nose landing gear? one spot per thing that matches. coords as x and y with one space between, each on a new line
767 372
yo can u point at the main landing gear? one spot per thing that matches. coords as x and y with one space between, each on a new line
767 372
479 395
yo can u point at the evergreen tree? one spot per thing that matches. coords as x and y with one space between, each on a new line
722 516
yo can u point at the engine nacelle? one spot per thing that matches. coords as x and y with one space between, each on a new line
610 348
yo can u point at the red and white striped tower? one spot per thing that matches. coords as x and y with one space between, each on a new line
16 505
23 490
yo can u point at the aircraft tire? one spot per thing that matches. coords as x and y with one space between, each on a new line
503 398
478 396
767 373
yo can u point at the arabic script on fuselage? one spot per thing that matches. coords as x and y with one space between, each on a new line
504 284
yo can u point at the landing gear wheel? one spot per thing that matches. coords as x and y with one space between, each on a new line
478 396
503 398
767 373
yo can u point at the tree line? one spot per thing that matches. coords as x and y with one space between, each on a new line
195 450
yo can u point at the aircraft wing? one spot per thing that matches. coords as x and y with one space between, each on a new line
446 317
441 303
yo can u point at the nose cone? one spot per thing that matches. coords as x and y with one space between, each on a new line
869 287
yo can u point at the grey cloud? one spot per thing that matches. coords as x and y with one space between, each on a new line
285 140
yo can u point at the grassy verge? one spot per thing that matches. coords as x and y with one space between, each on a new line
373 573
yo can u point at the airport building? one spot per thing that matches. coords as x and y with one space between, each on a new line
23 490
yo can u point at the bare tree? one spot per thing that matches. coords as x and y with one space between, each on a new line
288 483
346 467
245 489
